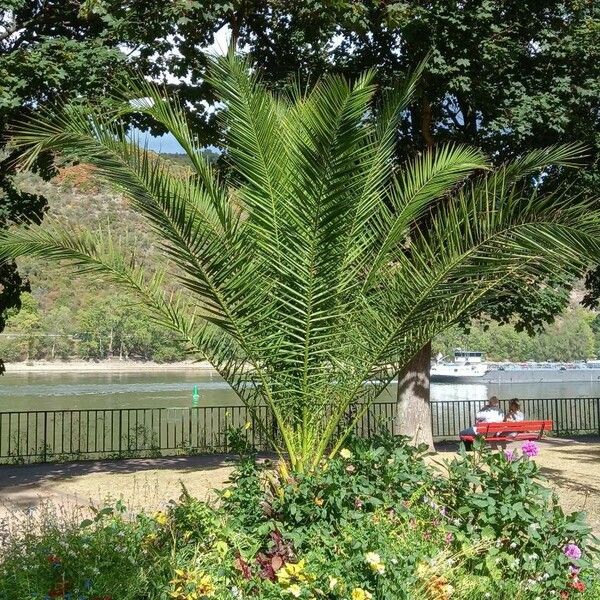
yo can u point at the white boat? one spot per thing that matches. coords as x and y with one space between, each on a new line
467 367
471 367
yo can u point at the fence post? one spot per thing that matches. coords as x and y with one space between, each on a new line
598 414
274 430
120 430
45 442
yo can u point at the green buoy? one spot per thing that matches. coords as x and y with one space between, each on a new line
195 397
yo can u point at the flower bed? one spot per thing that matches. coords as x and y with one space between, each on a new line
375 523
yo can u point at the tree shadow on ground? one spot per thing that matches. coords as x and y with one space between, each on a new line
27 486
39 474
560 478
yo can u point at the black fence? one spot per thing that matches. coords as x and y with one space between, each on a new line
46 436
570 416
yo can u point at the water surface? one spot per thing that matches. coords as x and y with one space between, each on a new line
169 388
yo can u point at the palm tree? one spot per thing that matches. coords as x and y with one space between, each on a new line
304 277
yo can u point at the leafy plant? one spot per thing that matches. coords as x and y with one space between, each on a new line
304 275
409 538
500 497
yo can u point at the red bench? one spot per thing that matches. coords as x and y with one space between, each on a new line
509 431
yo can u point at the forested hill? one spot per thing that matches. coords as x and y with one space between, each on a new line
69 317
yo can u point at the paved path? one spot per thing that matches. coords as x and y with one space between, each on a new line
571 466
143 484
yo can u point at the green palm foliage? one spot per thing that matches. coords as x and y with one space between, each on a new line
305 278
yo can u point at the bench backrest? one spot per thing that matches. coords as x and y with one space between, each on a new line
514 426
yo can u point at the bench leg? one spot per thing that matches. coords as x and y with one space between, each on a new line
501 445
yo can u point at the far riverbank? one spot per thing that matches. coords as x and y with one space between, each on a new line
106 366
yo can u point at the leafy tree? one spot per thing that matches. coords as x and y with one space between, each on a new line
59 325
58 49
595 326
23 341
296 273
114 326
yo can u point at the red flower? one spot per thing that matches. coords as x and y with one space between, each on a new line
578 585
564 595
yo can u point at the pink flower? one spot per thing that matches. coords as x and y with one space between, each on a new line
573 570
510 455
530 449
572 551
449 538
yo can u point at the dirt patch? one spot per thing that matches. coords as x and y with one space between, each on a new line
142 484
572 468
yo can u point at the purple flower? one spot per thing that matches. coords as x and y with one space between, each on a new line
530 449
573 570
449 538
572 551
510 455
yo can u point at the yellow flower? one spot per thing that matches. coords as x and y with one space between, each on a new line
292 573
150 539
191 585
295 590
374 561
161 518
205 586
221 547
360 594
227 494
333 581
247 425
346 454
319 501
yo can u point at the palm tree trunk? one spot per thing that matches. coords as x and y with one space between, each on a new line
413 408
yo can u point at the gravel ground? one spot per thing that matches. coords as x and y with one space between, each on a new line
571 466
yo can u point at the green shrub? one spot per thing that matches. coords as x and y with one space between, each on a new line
499 498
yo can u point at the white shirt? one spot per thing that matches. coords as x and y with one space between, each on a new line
489 415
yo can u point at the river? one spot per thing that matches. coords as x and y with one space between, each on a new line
62 391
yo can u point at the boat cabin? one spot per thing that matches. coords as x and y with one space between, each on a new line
462 357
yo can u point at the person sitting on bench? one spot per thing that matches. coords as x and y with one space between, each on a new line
514 411
490 413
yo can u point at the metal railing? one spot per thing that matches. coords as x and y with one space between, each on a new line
68 434
570 416
46 436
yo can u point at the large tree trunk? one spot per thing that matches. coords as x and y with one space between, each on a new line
413 410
